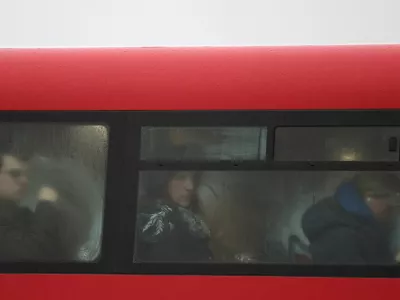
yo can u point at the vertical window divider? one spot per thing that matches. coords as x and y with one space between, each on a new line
270 148
128 205
120 206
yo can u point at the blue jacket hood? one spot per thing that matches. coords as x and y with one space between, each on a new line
345 209
352 201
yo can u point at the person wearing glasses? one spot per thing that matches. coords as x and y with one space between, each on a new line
354 226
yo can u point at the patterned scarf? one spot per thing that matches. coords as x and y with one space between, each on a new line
196 224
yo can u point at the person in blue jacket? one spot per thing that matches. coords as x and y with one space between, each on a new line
354 225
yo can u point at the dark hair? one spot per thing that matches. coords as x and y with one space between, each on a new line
12 143
155 184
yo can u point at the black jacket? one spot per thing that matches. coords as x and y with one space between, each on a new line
43 235
340 236
167 233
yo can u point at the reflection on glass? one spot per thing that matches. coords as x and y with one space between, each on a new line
199 143
51 191
336 143
297 217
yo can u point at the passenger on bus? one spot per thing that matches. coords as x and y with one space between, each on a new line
354 226
22 236
26 235
395 238
76 201
170 225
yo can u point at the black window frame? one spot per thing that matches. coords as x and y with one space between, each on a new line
124 165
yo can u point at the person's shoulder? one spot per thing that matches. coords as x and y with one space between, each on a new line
14 217
12 211
44 207
325 205
321 217
46 212
151 206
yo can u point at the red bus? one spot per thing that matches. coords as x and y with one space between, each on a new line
199 173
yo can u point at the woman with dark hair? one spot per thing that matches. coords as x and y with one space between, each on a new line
169 226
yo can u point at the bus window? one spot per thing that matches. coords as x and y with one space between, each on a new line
51 191
296 217
337 143
203 143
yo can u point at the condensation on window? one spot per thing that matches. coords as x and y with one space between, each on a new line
269 217
337 143
207 143
65 169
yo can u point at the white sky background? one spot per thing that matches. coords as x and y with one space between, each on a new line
83 23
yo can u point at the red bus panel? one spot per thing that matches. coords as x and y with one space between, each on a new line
352 77
252 78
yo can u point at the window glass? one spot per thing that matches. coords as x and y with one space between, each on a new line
296 217
337 143
51 191
199 143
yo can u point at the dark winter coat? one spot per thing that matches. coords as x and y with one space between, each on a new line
35 236
168 233
79 207
66 230
342 230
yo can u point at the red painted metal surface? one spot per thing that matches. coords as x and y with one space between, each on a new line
98 287
356 77
205 78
